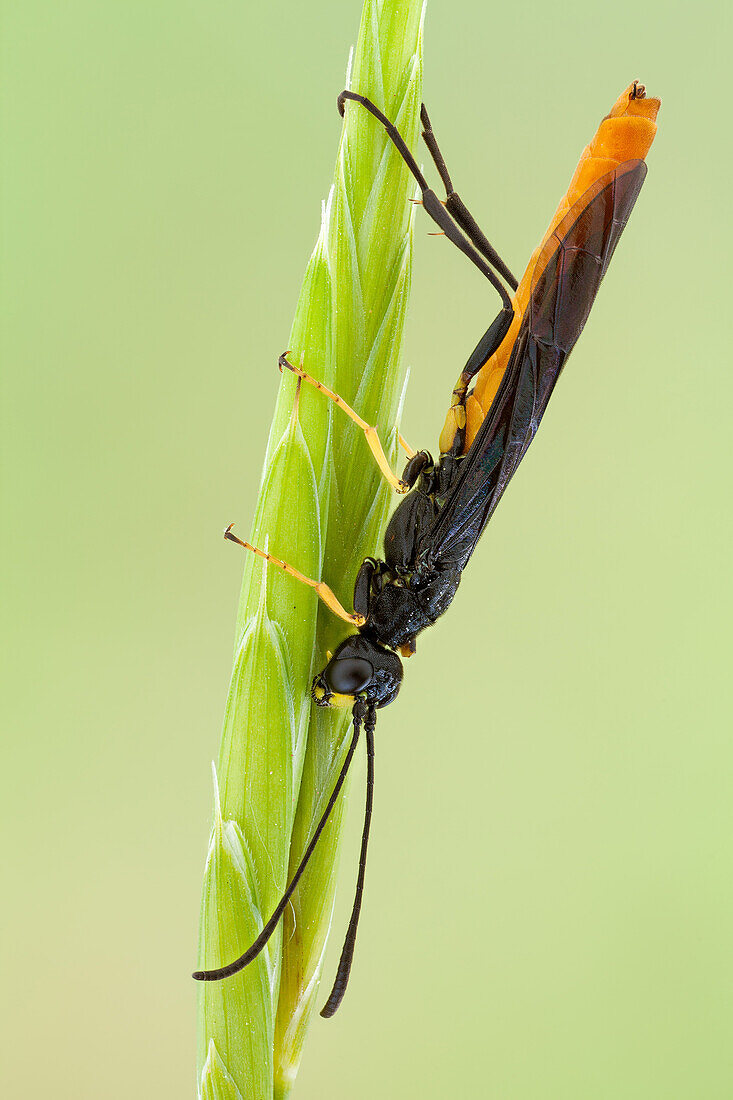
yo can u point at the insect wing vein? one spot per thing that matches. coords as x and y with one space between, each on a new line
570 269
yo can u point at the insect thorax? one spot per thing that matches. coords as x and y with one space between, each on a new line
406 592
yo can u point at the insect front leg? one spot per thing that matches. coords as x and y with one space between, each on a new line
370 432
319 587
363 587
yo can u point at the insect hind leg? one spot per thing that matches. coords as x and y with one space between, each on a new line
456 207
432 204
454 431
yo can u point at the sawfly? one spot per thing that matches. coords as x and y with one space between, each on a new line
447 504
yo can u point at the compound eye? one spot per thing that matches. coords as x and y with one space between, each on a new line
349 675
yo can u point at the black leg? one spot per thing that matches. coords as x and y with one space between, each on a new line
456 207
454 433
433 207
487 345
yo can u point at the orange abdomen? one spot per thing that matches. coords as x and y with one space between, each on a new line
626 133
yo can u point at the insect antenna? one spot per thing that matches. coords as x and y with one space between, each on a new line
347 952
359 713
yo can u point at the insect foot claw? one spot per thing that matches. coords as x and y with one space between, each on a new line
283 361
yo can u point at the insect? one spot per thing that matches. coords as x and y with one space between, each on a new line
516 363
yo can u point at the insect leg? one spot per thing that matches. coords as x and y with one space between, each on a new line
409 451
320 588
455 205
363 586
452 436
370 433
433 206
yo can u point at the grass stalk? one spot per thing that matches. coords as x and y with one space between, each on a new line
322 506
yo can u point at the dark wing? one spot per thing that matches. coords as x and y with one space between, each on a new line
570 268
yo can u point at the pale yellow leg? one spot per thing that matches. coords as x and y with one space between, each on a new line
322 590
405 446
370 432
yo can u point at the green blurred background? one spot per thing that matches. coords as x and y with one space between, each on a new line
549 903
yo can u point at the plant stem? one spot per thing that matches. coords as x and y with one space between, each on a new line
322 506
